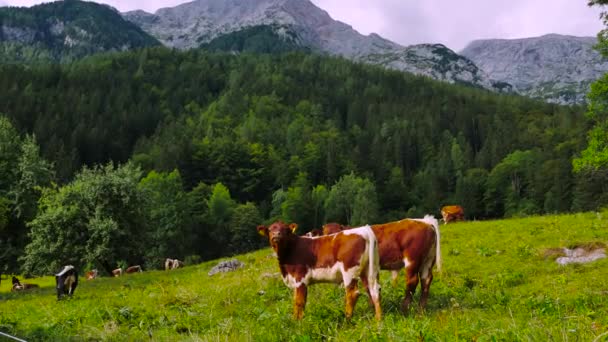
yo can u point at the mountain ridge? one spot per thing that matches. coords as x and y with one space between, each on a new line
556 68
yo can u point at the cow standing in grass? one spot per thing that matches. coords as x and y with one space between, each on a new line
341 258
452 213
413 244
66 281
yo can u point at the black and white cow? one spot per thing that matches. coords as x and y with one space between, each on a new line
66 281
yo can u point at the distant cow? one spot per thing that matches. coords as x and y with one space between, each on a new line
133 269
18 286
452 213
66 281
171 264
117 272
90 275
344 257
314 233
332 228
413 244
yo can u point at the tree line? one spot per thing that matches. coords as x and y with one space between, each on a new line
157 153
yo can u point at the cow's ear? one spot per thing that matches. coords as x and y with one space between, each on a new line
262 230
293 227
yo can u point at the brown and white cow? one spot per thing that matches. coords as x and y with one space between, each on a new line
133 269
117 272
90 275
452 213
332 228
172 264
413 244
340 258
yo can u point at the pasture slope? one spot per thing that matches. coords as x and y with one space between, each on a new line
496 286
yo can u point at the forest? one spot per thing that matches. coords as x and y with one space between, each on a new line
136 156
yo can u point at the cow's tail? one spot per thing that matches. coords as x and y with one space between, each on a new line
373 270
430 219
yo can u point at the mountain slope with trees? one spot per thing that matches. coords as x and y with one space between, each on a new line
64 31
164 146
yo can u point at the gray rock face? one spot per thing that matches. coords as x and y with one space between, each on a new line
190 24
553 67
438 62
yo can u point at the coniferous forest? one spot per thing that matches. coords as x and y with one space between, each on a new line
137 156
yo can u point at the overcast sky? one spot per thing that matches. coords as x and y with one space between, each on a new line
451 22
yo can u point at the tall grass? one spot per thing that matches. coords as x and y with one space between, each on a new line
496 285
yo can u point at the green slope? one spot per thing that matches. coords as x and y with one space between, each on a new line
257 39
496 286
65 30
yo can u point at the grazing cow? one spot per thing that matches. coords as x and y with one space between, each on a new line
314 233
90 275
133 269
413 244
117 272
452 213
171 264
344 257
18 286
66 281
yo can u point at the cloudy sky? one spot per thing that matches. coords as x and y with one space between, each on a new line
450 22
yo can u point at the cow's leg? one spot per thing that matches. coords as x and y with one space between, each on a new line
425 283
410 286
300 294
372 286
352 293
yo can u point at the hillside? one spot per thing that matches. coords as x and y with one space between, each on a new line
64 31
496 285
552 67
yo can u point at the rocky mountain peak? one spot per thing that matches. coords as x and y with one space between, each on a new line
554 67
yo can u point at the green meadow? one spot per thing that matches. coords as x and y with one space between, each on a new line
498 283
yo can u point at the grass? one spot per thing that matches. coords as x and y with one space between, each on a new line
496 285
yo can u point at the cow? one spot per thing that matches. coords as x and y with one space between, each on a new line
314 233
452 213
66 281
406 244
90 275
332 228
117 272
133 269
343 257
413 244
171 264
18 286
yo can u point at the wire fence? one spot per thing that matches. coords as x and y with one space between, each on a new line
14 338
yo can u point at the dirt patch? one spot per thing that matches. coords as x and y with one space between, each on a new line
578 254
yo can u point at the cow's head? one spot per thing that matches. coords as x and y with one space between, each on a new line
278 233
332 228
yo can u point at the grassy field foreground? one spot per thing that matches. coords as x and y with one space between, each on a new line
496 285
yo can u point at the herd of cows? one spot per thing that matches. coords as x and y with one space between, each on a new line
341 254
66 280
335 254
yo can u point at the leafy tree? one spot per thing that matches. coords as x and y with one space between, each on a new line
96 219
243 236
352 200
595 156
167 210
